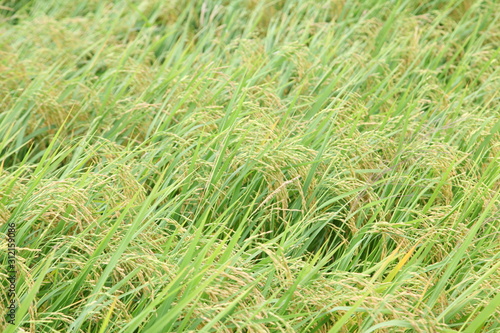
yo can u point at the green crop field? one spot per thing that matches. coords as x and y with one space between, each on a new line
250 166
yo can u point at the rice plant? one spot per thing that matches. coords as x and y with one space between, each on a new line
250 166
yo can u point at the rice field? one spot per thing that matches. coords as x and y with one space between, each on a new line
250 166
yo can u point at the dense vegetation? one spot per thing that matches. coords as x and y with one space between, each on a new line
251 165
